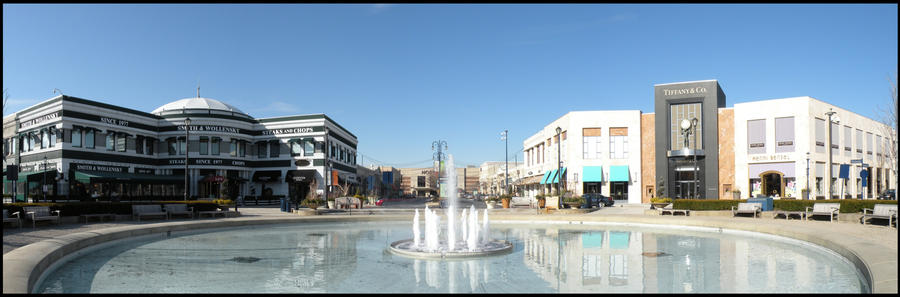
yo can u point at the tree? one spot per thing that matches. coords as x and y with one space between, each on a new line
888 117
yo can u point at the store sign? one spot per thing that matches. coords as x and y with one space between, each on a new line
302 163
113 121
212 128
208 162
761 158
38 167
38 120
287 131
143 170
685 91
92 167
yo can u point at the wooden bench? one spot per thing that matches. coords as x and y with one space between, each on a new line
754 209
824 209
881 211
40 213
147 210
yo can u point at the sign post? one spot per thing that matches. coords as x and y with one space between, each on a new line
863 174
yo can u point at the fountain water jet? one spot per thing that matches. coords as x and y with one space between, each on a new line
475 238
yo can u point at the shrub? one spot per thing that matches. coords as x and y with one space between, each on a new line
847 205
122 208
660 200
573 200
700 204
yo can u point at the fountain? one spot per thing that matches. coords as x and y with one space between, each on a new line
473 241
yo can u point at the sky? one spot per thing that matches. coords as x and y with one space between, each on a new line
402 76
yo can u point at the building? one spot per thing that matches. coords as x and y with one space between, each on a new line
422 182
391 180
492 177
86 150
603 155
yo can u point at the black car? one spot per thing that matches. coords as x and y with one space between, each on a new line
594 199
888 195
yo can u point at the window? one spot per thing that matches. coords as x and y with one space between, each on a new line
45 138
820 135
204 145
76 136
592 143
756 136
215 145
847 137
679 112
618 143
868 145
859 143
89 138
151 142
170 143
784 135
182 146
52 132
233 148
274 149
110 140
333 152
242 147
261 149
120 141
308 147
296 147
139 144
835 139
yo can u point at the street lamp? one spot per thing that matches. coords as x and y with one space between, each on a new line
187 135
807 177
558 166
44 177
830 184
689 127
439 144
506 150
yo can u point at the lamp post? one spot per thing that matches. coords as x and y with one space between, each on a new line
696 166
327 172
440 144
44 177
807 177
506 150
830 184
187 135
558 166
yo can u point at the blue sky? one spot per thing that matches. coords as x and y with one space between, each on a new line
401 76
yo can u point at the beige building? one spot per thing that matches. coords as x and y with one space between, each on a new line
492 177
422 182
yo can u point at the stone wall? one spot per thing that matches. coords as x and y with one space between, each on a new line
726 153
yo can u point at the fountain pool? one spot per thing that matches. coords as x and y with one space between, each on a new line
354 257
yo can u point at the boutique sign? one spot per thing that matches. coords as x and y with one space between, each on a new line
213 128
44 118
684 91
104 168
288 131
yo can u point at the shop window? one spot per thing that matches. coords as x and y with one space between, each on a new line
296 147
120 141
232 148
170 143
204 145
139 144
89 138
182 146
76 137
243 148
261 149
215 146
818 185
52 132
151 142
110 141
308 147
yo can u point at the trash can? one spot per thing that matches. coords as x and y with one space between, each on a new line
284 206
766 202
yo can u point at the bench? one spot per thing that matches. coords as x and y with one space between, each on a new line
40 213
787 214
179 209
525 201
754 209
669 210
147 210
8 219
881 211
824 209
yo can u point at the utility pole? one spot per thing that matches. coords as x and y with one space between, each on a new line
441 144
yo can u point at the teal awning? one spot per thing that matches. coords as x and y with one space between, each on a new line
88 177
547 176
592 240
618 173
555 179
592 173
618 240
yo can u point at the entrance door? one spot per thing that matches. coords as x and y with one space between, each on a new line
297 191
591 187
772 183
619 191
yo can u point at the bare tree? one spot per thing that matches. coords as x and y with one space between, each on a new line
888 117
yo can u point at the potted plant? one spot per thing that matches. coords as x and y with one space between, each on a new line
659 202
330 202
312 203
541 200
505 199
491 202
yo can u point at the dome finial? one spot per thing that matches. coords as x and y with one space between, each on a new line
198 89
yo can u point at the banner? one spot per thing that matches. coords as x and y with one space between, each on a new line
334 178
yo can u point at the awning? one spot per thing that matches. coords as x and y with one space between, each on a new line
592 174
88 177
547 176
37 176
618 240
300 176
618 173
531 180
267 176
556 178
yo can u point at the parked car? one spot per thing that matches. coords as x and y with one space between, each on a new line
594 199
890 194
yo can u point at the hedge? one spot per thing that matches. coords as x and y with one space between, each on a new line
847 205
122 208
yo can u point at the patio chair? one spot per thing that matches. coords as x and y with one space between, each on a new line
147 210
8 219
40 213
824 209
881 211
179 209
754 209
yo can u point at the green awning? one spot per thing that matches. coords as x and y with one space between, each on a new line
555 179
592 173
547 176
618 240
618 173
592 240
88 177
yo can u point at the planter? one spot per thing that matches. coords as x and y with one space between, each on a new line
541 203
330 205
490 205
505 203
657 205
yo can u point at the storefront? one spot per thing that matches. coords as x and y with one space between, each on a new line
773 179
592 179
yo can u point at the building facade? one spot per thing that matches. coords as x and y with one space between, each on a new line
77 149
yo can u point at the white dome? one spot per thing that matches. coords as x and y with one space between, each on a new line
196 103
